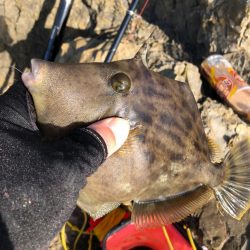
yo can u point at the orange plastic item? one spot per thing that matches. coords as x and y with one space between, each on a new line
128 237
228 84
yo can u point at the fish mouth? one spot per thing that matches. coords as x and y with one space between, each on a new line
29 77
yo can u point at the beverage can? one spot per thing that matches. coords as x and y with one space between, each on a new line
228 84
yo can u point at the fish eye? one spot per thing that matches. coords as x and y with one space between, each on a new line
121 83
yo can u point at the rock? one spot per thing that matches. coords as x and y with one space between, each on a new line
180 71
107 14
189 73
244 38
213 226
4 35
81 50
79 18
221 123
204 27
11 14
6 73
220 232
56 243
240 61
96 50
194 80
242 130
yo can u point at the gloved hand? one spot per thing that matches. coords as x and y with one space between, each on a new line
39 179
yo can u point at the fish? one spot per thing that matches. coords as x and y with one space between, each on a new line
167 168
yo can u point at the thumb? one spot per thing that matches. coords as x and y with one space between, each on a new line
114 132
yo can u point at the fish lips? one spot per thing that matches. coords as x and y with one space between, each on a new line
30 77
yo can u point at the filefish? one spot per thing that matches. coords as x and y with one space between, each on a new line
167 168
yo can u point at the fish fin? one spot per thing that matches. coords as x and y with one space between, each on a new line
234 192
96 210
216 155
131 141
170 210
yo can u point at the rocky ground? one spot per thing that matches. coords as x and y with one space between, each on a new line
184 33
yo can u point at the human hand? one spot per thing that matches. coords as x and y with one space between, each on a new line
114 132
41 178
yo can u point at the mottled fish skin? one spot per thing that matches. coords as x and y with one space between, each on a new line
169 153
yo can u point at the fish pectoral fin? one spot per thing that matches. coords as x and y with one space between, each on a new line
216 155
172 209
96 210
131 141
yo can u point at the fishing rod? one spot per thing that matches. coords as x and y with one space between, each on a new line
60 20
121 31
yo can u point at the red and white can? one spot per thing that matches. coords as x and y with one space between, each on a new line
228 84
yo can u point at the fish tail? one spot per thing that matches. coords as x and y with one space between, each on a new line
233 193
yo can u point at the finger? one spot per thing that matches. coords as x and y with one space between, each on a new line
114 132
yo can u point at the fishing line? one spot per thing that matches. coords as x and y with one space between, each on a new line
90 241
123 27
81 230
121 31
143 7
16 69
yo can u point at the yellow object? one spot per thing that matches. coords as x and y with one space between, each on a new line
81 230
189 234
72 227
167 238
90 241
63 238
109 221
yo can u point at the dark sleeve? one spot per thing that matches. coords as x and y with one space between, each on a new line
39 180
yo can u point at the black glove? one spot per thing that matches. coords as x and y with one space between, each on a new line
39 180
